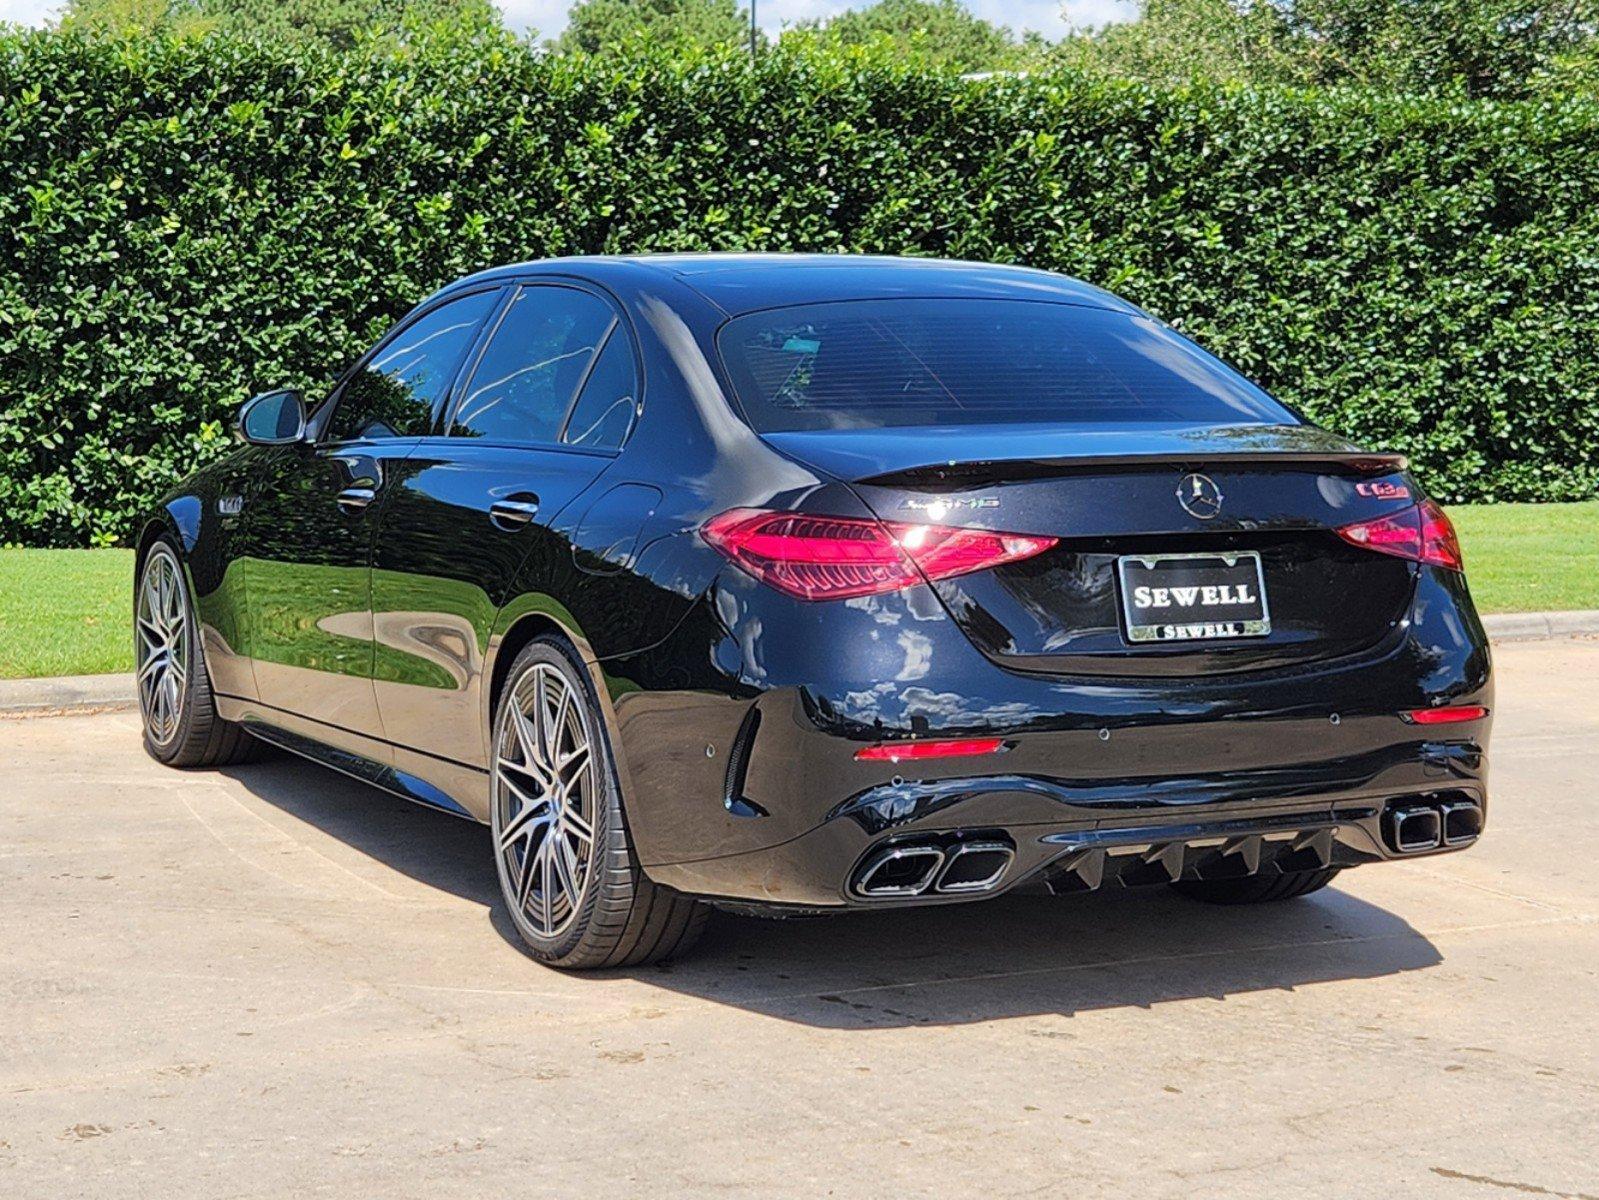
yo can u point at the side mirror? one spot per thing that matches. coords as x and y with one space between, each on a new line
273 418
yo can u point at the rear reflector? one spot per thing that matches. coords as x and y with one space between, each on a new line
1448 715
834 558
1421 533
914 751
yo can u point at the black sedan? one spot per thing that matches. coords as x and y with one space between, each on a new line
810 584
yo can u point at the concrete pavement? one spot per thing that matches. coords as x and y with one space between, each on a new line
276 982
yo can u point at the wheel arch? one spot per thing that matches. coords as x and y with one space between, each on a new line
520 623
166 521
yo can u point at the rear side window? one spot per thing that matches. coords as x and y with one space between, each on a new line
537 357
866 364
394 392
604 411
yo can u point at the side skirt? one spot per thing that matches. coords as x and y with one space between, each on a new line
408 774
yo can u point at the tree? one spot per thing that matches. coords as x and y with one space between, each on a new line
1478 47
594 25
936 33
336 22
1475 48
1174 41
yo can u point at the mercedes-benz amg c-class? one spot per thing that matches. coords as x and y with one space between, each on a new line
804 584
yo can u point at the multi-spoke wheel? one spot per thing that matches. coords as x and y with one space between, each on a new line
544 799
161 646
566 869
181 725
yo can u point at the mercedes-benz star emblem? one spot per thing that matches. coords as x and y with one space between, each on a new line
1199 496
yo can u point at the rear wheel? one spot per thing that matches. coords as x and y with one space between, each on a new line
1257 889
181 725
567 871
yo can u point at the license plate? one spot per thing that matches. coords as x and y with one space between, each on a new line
1193 597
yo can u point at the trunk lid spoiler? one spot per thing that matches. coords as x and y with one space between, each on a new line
964 455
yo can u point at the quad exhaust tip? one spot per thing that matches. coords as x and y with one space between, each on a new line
899 871
1462 822
925 868
974 867
1415 828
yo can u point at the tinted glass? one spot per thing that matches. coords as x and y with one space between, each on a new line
604 410
523 384
874 363
393 395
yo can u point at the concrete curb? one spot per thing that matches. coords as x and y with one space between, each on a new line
108 693
1526 627
66 694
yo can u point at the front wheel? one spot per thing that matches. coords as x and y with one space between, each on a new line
571 883
1257 889
181 725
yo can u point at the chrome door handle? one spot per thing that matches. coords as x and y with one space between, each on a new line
513 512
356 498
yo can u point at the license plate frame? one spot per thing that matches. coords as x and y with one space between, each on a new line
1167 631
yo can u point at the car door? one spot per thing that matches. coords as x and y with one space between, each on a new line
311 513
549 399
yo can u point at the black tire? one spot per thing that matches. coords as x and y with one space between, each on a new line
200 738
621 918
1257 889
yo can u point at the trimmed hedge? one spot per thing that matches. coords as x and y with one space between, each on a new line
182 224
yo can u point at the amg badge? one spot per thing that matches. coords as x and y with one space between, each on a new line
945 504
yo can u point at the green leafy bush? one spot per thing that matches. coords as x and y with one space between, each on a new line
186 222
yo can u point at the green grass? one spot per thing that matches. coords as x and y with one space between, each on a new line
66 612
1531 557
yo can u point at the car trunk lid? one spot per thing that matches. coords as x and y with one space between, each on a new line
1232 530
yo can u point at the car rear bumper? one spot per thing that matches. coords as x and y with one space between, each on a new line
744 785
1086 846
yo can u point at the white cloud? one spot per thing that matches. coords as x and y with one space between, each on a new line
1048 17
28 12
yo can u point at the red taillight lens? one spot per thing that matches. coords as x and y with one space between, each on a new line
914 751
833 558
1421 533
1448 715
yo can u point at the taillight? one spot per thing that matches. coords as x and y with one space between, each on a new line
921 751
1448 715
833 558
1421 533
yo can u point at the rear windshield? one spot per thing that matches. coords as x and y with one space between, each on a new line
867 364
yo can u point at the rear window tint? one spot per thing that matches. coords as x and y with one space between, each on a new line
864 364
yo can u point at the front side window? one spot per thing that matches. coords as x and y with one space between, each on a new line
868 364
394 392
533 365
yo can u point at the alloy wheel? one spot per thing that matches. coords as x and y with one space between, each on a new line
161 646
544 798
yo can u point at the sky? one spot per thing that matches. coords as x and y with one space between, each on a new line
1049 17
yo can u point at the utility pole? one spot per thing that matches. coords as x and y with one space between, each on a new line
752 32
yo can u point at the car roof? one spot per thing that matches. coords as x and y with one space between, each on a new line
739 283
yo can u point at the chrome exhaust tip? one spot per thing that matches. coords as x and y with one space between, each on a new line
974 867
899 871
1415 829
1462 822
